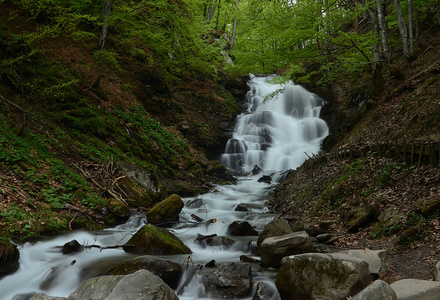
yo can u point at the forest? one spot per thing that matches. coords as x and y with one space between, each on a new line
158 83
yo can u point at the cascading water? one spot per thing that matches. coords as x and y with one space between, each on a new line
274 135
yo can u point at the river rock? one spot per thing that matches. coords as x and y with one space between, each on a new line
9 258
153 240
72 247
215 168
273 249
216 241
141 285
378 260
276 227
321 276
168 271
228 280
379 290
166 211
241 228
43 296
414 289
265 291
118 208
437 271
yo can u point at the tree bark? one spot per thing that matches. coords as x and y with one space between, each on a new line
410 27
383 29
106 9
234 30
402 29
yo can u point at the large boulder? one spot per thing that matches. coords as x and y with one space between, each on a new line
153 240
167 211
414 289
378 260
168 271
141 285
9 258
273 249
388 218
321 276
276 227
377 290
228 280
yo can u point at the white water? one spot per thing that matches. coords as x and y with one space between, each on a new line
274 135
277 133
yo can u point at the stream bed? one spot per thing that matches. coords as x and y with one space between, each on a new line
271 135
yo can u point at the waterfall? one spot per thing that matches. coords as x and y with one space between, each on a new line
275 133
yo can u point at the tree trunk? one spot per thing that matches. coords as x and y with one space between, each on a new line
234 30
410 27
383 29
402 29
218 13
106 8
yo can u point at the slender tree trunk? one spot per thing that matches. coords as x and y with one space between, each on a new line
356 20
383 29
106 9
218 13
234 29
410 27
402 29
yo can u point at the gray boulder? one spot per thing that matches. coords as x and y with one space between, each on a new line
241 228
321 276
415 289
378 260
141 285
276 227
228 280
377 290
273 249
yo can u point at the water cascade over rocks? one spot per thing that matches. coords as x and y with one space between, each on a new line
273 135
281 124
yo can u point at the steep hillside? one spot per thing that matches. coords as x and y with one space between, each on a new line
70 108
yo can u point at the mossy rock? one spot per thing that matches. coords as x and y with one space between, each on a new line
135 195
186 189
153 240
428 207
118 208
166 211
361 216
215 167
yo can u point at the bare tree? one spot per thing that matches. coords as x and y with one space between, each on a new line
106 9
403 30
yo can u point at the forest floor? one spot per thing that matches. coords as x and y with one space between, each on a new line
407 109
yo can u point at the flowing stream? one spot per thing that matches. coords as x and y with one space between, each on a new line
272 135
